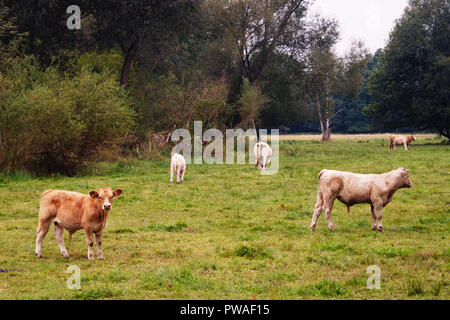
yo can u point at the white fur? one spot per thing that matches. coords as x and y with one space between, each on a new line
263 152
177 166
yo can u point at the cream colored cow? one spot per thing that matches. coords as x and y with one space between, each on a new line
351 188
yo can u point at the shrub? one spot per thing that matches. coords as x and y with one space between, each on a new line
51 124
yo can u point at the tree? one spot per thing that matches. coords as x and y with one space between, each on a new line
411 85
250 105
329 75
259 27
133 24
11 40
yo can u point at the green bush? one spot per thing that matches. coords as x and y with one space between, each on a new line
50 123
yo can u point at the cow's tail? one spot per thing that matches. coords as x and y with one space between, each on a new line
258 154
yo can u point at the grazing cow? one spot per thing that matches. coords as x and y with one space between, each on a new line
351 188
262 153
177 166
74 211
404 140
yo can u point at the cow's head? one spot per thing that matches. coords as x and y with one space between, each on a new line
405 181
105 197
414 138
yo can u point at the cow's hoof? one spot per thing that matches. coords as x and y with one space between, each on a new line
100 258
38 255
374 228
65 256
312 228
91 258
380 229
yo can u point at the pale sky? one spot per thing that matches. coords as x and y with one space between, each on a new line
368 20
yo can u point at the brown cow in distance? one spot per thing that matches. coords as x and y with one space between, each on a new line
74 211
352 188
404 140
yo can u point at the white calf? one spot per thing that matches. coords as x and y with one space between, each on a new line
177 165
262 153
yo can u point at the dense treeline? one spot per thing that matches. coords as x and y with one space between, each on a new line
411 84
138 69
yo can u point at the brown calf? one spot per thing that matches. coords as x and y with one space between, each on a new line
351 188
404 140
74 211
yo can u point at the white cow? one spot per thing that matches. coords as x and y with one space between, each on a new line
177 165
262 153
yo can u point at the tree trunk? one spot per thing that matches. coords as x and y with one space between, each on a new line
319 111
125 74
326 136
254 128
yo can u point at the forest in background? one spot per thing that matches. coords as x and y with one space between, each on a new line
138 69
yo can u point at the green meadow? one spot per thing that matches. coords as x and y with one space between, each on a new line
228 232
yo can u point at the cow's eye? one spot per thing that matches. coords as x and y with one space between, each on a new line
100 198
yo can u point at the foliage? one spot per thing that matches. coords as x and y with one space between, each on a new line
410 87
329 76
50 123
164 103
11 40
250 104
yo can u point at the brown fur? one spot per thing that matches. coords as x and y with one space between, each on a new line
73 211
350 189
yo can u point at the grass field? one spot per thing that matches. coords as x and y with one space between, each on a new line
229 233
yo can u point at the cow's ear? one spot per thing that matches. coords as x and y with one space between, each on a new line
117 192
93 194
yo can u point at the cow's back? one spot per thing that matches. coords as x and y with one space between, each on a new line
353 187
64 206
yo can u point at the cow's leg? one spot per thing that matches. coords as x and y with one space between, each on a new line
59 236
318 208
406 146
41 231
266 163
90 243
178 174
171 173
182 174
327 210
378 210
374 218
98 240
